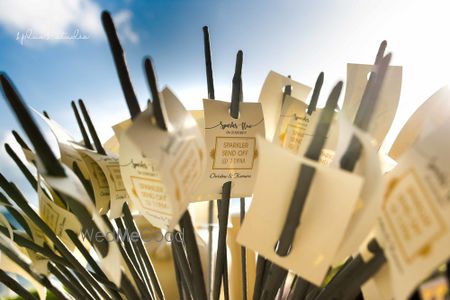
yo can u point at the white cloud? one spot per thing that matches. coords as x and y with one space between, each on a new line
51 17
122 20
56 21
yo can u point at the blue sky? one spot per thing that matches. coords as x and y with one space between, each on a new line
300 38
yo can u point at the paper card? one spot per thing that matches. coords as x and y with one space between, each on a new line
330 204
56 217
72 187
292 124
144 185
428 117
99 182
271 98
231 147
178 153
414 227
10 266
369 204
67 145
357 77
109 165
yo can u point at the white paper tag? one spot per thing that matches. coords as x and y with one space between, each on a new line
271 98
432 114
231 147
67 145
292 124
57 218
178 153
72 187
331 199
414 227
382 117
109 165
144 185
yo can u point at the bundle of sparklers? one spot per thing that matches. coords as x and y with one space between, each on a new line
329 215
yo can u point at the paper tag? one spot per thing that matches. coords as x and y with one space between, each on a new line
67 145
271 98
357 78
71 186
292 124
99 182
144 185
109 165
331 199
433 113
56 217
231 147
178 153
414 226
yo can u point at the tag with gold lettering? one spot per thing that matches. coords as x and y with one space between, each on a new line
178 153
144 185
231 147
292 124
330 202
56 217
71 186
106 172
414 227
271 99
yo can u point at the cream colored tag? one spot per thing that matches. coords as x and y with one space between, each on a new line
292 124
415 225
109 165
357 77
56 217
231 147
429 116
271 98
67 145
72 187
330 203
144 185
99 182
178 153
